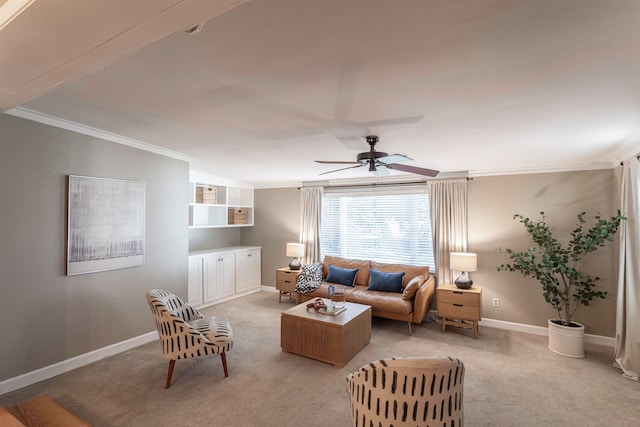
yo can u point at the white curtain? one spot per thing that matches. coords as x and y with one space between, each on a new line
310 212
627 351
448 205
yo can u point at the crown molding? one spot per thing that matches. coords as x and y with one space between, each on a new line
10 9
446 175
47 119
531 171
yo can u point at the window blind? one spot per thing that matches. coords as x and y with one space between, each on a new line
385 224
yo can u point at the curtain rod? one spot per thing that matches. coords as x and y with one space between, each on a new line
384 184
637 157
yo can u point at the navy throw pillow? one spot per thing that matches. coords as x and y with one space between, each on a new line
387 282
342 276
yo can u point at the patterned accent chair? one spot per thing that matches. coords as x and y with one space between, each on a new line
185 332
411 391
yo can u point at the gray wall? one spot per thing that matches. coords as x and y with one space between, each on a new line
46 316
212 238
492 203
276 223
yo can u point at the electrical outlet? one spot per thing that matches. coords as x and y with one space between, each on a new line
496 302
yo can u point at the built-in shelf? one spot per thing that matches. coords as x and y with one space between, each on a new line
214 205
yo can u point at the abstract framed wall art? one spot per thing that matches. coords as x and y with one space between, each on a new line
106 224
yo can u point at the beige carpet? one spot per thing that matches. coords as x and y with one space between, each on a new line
511 379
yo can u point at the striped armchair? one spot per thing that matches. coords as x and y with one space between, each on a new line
185 333
412 391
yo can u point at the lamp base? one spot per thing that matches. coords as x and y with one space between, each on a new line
463 281
294 264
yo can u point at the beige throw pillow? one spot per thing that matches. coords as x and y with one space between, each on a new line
412 287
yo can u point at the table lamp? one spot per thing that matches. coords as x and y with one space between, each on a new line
295 250
463 262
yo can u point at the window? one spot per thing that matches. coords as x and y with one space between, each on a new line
390 224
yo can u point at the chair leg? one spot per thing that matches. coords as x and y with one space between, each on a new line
223 356
171 365
409 327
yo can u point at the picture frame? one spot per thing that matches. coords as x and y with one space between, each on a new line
105 224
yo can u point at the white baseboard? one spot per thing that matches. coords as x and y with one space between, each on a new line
229 298
536 330
539 330
75 362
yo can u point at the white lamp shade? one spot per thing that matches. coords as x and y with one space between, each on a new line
295 250
463 261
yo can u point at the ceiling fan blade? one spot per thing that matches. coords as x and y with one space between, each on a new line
337 170
413 169
337 162
394 158
381 170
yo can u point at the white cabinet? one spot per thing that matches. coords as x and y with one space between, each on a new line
212 205
220 274
195 281
248 269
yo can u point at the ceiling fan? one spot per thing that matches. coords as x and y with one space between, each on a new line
380 162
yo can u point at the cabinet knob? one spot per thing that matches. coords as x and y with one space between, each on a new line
458 305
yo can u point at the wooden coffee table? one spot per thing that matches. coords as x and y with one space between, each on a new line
332 339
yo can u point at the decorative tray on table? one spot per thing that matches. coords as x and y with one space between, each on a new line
319 305
332 312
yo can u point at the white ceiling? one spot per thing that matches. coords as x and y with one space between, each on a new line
268 86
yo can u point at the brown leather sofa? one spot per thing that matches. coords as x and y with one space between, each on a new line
391 305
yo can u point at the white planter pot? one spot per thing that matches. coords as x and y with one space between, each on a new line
566 340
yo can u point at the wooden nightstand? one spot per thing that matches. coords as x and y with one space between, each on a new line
286 282
458 307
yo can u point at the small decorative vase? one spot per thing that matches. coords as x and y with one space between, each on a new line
463 282
566 340
295 264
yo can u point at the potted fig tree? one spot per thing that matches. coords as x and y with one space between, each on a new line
557 267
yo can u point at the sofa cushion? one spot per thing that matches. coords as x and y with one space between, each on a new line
362 278
385 281
342 276
412 287
382 301
410 271
309 279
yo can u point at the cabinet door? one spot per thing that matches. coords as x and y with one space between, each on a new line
227 272
194 281
248 270
212 267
